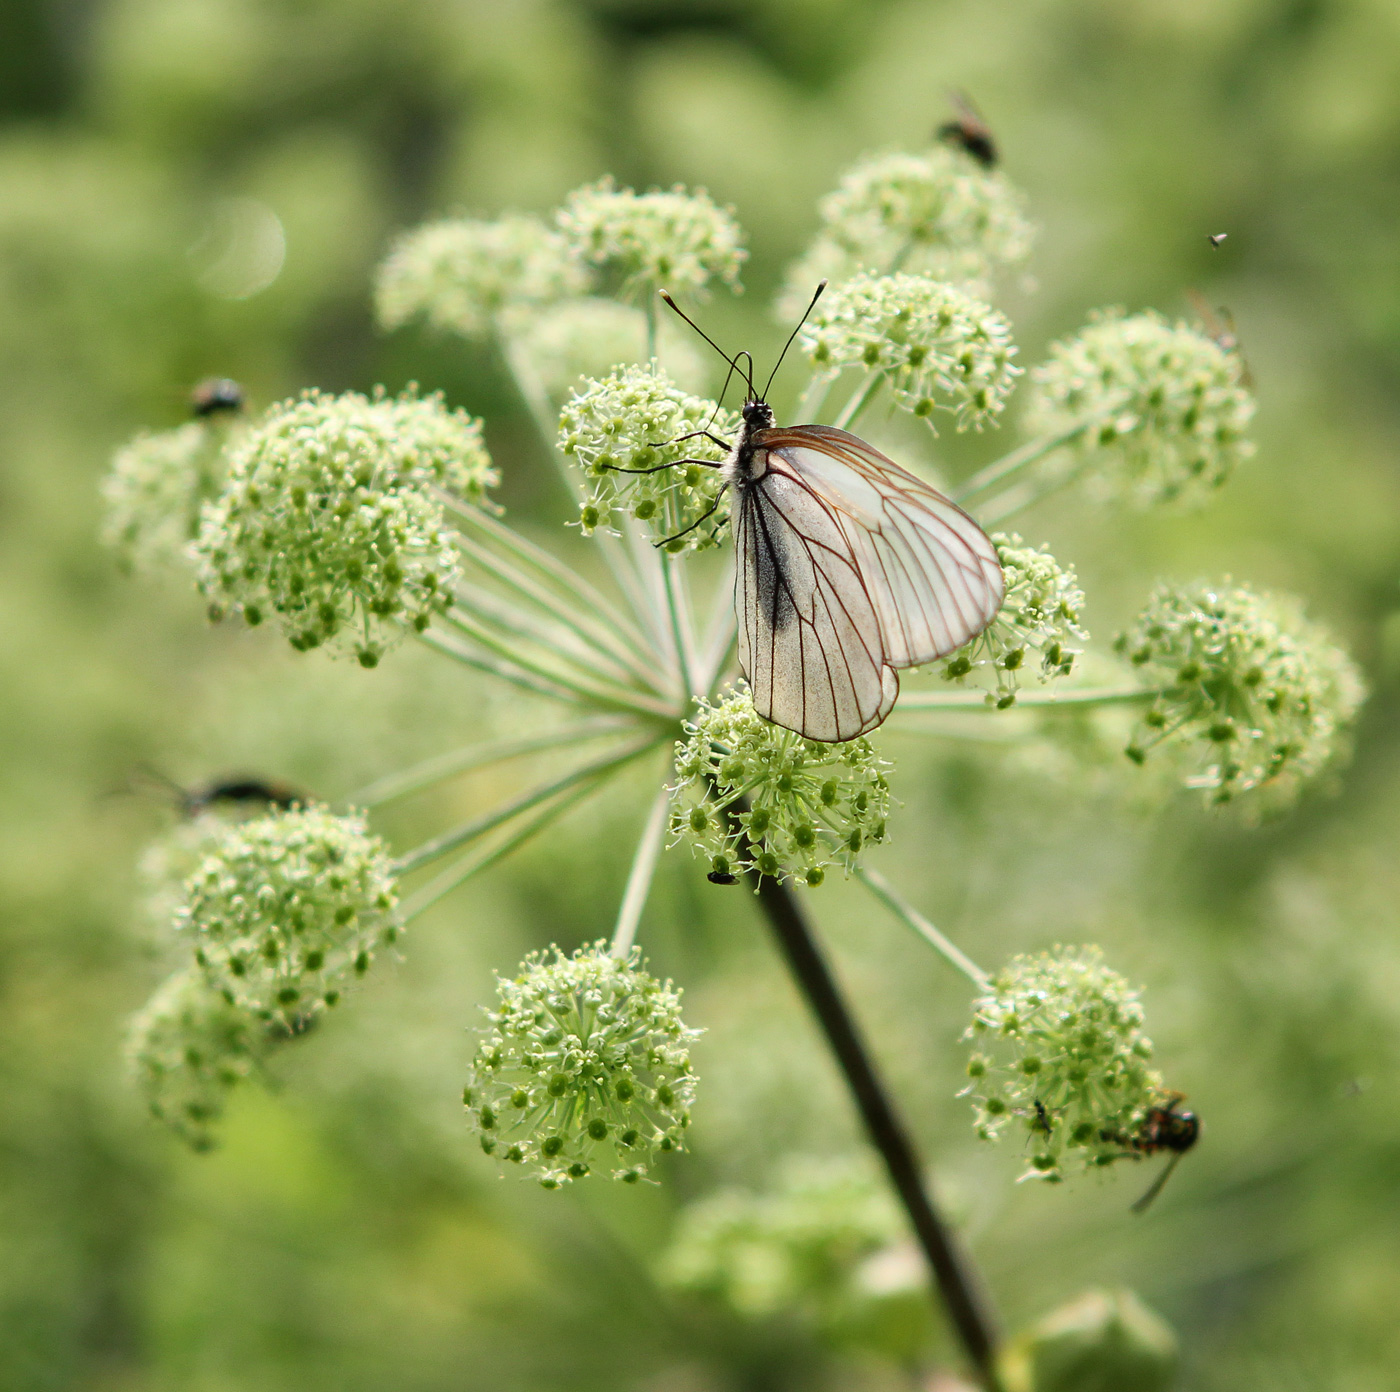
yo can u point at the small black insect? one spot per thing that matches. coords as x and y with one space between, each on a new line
1043 1121
969 132
216 394
238 789
1215 238
720 877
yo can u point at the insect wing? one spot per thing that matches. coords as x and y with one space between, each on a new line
809 637
930 573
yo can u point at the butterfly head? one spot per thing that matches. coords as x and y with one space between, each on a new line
758 415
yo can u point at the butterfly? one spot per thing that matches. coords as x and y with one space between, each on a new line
848 568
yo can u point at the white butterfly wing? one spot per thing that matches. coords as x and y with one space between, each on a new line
932 574
809 638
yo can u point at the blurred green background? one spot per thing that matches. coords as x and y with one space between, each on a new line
348 1235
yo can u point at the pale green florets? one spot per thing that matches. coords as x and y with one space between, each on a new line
936 213
751 795
937 347
678 240
1255 698
808 1248
591 337
329 519
1169 408
1039 622
623 422
1059 1052
286 910
154 491
461 275
188 1049
586 1066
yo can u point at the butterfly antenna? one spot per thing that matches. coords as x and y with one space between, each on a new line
792 336
733 362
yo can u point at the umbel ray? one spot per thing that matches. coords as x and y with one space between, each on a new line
847 567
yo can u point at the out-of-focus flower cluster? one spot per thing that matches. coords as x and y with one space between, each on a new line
329 519
463 275
154 490
676 239
752 795
586 1065
1255 698
935 345
1039 618
1165 407
823 1246
935 212
633 420
1059 1049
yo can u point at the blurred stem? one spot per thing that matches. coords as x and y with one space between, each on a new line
860 399
1022 458
977 700
471 831
678 613
639 878
956 1284
506 671
650 300
885 892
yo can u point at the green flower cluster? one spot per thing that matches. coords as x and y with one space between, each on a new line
633 420
751 795
935 345
1059 1048
676 239
1167 408
586 1064
154 490
1040 616
812 1247
1255 698
188 1049
937 213
462 275
329 519
285 910
591 337
1107 1341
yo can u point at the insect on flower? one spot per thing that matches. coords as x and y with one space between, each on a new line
239 789
1164 1128
848 567
969 132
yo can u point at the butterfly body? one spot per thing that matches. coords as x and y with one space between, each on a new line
848 569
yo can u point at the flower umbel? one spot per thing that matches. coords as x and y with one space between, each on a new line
1040 616
935 212
1168 408
628 421
1255 698
1059 1049
679 238
286 910
752 795
936 346
329 519
586 1064
188 1049
462 274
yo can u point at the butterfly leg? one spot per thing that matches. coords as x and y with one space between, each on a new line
660 468
694 435
714 507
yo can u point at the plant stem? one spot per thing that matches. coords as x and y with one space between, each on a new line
977 700
681 636
650 301
1019 459
634 897
886 893
962 1300
855 407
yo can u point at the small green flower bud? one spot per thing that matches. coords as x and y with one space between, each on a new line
676 239
1066 1061
627 421
462 275
154 491
934 213
964 346
371 555
1179 409
811 804
188 1049
1105 1341
282 879
1256 699
611 1043
1041 612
